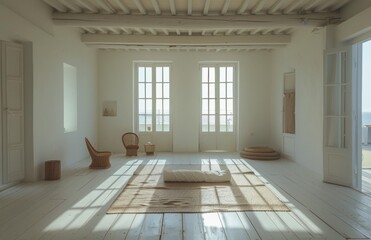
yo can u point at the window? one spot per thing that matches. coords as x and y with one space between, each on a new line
153 97
70 98
217 98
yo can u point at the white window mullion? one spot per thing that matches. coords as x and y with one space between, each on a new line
154 99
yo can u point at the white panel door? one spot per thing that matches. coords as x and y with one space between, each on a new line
337 119
12 112
218 108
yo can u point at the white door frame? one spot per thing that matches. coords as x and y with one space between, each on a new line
208 136
357 115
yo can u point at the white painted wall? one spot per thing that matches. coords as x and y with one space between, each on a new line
51 48
305 56
116 84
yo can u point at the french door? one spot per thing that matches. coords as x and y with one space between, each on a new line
338 120
218 108
153 122
12 116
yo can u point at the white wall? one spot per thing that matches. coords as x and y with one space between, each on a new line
116 83
305 56
50 50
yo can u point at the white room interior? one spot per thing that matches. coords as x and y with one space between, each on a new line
105 73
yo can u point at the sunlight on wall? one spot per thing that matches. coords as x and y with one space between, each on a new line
70 98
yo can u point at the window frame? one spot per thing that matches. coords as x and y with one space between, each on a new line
154 98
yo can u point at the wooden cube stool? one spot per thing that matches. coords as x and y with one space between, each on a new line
53 170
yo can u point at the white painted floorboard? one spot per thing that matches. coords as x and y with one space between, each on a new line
75 206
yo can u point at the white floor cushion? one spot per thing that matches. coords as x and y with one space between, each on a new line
196 176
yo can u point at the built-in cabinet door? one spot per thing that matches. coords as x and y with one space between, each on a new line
12 112
338 118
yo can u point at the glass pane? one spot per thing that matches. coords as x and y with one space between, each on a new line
142 106
166 74
148 74
205 106
229 90
205 92
212 90
142 123
159 106
141 90
222 123
205 123
205 74
212 74
222 106
166 90
159 123
229 123
159 90
222 74
222 90
148 123
166 106
211 123
158 74
148 106
331 66
166 124
141 74
212 106
149 90
335 132
229 74
333 100
230 106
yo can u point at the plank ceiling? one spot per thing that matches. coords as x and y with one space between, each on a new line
192 25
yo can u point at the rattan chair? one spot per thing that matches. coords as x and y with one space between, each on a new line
131 143
99 159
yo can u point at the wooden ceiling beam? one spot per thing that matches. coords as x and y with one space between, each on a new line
104 6
172 7
122 6
193 22
189 8
204 48
206 7
87 5
243 7
225 7
70 5
160 40
156 7
258 7
140 7
57 5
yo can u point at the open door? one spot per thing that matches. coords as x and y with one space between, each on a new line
337 118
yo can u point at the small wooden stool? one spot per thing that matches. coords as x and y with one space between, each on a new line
149 148
53 170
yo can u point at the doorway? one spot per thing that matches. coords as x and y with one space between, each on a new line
218 107
365 79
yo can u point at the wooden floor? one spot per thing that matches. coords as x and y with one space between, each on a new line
75 207
366 181
366 169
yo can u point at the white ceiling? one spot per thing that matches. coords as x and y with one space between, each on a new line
183 25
